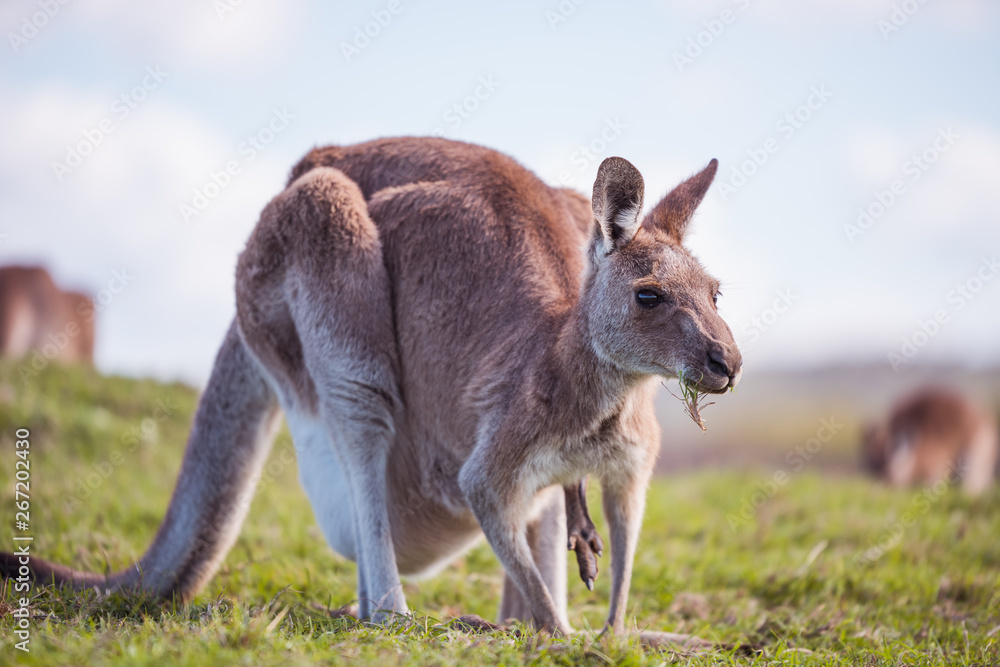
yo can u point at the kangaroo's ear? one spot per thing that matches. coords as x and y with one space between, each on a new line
617 201
674 211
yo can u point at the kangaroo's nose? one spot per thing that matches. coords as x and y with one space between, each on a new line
717 362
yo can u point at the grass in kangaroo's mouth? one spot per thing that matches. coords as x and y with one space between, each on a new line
693 399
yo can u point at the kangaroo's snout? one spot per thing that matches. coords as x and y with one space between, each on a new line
736 368
717 362
723 364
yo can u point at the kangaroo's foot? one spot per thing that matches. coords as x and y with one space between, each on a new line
472 624
348 610
693 643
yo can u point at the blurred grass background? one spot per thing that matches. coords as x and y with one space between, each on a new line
786 579
773 412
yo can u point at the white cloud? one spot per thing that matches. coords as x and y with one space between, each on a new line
119 210
965 16
956 193
184 32
782 230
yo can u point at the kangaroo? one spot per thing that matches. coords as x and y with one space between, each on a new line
36 315
933 435
451 341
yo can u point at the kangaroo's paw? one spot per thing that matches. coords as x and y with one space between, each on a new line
582 534
588 545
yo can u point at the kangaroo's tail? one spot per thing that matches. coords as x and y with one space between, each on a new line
230 439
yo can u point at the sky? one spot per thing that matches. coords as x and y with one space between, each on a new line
855 217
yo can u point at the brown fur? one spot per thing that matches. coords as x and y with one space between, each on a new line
932 435
428 304
36 315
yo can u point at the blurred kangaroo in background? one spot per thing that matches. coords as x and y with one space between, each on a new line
931 435
37 315
450 340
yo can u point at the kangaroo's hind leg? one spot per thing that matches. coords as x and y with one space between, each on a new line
339 299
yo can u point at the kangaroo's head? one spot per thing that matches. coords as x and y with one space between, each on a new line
651 306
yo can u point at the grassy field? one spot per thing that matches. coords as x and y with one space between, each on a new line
811 570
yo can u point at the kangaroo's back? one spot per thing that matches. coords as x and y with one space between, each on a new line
396 162
392 162
485 261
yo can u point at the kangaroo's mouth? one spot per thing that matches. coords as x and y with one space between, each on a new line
714 388
711 382
704 380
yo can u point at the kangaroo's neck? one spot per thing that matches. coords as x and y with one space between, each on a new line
588 387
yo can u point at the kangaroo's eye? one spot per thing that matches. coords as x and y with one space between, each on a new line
715 297
647 298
